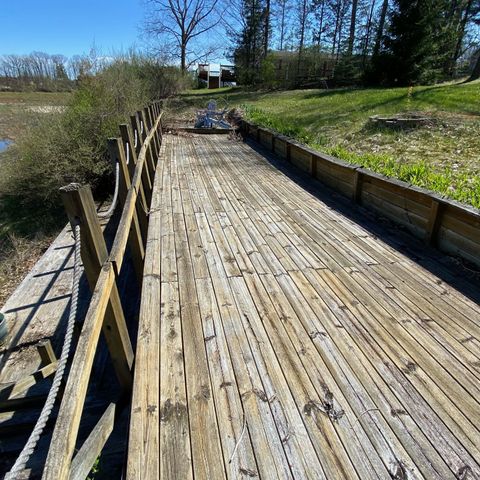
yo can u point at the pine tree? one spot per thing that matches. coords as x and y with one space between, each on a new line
250 45
418 41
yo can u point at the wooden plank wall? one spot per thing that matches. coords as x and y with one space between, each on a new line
448 225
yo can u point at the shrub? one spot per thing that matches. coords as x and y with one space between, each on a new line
71 146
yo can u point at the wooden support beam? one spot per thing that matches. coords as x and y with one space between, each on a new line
148 118
153 118
62 446
121 238
273 143
80 207
136 133
45 350
129 136
136 241
150 161
14 404
357 187
434 222
83 461
142 125
145 188
288 149
313 165
21 386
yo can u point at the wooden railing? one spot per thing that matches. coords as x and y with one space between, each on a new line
137 152
449 226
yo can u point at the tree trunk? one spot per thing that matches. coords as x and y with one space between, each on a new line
461 34
267 28
476 69
340 31
183 58
351 38
381 26
369 28
303 20
320 26
337 21
282 24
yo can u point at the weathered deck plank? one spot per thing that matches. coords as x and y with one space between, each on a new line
294 342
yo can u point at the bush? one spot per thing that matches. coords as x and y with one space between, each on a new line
71 146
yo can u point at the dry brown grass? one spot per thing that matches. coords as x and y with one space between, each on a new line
17 257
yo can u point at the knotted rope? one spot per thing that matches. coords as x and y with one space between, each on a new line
29 447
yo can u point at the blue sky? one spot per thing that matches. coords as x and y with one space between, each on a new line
69 27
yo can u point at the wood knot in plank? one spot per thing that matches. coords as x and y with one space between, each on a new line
316 333
247 472
204 393
326 407
396 412
410 368
398 471
170 410
463 473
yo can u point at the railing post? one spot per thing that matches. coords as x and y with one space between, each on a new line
116 152
154 115
145 192
153 144
136 131
313 166
148 154
357 187
80 207
434 222
288 151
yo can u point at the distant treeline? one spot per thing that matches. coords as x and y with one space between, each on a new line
45 72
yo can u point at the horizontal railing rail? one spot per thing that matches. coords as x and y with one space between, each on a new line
136 152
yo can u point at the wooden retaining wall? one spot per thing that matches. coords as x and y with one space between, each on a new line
448 225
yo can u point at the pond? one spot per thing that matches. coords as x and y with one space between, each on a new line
4 144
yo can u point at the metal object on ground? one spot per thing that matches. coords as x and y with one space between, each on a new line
211 117
3 327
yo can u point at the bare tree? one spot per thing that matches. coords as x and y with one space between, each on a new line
180 23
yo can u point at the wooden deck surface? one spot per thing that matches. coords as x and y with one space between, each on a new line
279 338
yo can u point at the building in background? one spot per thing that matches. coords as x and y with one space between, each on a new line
215 75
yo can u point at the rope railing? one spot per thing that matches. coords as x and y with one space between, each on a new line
133 185
135 155
32 441
110 211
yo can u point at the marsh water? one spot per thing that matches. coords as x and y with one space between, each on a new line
4 144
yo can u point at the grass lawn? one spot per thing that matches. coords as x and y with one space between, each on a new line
24 232
443 156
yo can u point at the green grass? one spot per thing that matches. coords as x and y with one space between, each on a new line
443 157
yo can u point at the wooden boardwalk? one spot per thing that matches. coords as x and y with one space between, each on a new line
279 338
